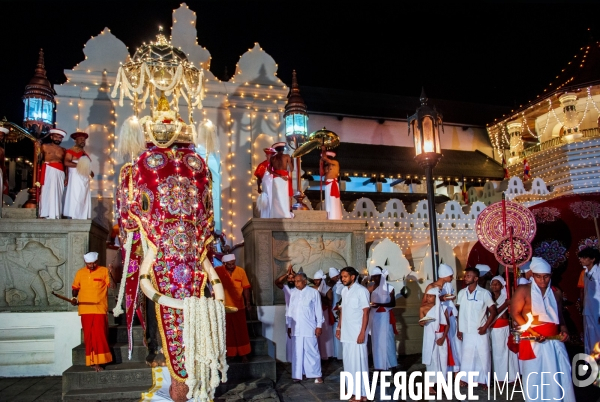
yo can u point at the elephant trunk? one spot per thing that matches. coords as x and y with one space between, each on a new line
152 293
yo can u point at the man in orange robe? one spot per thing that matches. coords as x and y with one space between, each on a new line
90 288
237 294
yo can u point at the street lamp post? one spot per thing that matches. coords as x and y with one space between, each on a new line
296 132
425 125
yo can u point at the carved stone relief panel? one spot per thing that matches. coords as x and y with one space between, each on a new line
311 251
31 267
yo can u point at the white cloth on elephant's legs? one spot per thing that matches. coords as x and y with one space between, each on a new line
280 199
356 360
476 356
52 193
505 361
551 359
160 387
305 359
78 201
439 356
591 332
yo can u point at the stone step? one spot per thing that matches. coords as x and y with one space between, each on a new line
254 328
257 367
118 333
259 346
115 375
122 394
119 352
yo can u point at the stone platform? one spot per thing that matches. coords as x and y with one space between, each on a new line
309 241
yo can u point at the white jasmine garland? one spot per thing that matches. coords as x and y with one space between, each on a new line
118 310
204 341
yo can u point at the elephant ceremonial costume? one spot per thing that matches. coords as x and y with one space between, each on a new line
164 205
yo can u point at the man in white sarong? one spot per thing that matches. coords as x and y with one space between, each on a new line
333 204
281 169
352 329
382 322
435 333
589 258
305 318
506 362
52 178
326 338
476 314
264 180
335 294
286 282
543 361
78 200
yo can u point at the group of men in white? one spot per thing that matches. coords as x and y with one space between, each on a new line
363 313
466 332
274 179
469 332
70 168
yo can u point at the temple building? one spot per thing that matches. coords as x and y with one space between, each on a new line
383 192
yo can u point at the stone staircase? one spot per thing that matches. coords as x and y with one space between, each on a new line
125 379
122 379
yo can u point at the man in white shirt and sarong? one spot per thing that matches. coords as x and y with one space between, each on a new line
506 362
305 318
545 364
335 294
352 329
326 338
333 203
589 258
281 169
52 178
476 313
78 200
382 322
286 282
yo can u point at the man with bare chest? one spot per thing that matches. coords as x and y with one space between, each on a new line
333 204
547 354
281 169
52 178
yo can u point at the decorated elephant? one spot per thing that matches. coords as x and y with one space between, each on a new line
164 204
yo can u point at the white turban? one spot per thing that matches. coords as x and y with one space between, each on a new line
319 274
526 267
445 270
376 271
333 272
483 269
227 258
503 295
91 257
540 266
523 281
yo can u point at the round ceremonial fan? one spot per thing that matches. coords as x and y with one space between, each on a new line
490 227
520 247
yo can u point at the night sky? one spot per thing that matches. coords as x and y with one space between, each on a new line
490 53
